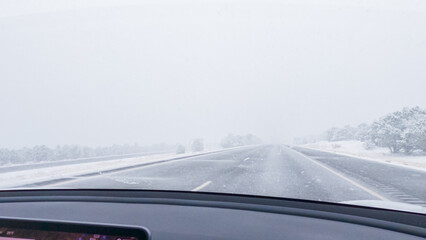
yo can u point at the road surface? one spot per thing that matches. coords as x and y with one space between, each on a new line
397 183
272 170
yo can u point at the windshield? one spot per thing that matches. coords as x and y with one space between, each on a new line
318 100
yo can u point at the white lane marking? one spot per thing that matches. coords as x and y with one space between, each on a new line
247 158
201 186
350 180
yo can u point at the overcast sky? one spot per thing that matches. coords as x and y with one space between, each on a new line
103 72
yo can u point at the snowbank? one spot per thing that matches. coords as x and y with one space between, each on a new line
356 149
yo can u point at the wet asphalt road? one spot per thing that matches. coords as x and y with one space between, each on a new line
272 170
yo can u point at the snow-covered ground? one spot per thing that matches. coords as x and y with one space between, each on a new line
20 178
65 161
356 149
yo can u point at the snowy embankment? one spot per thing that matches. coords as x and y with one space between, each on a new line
356 149
17 179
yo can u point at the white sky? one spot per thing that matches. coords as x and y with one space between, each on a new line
104 72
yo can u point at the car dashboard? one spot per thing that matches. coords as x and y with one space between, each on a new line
161 215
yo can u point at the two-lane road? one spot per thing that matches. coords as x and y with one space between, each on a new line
272 170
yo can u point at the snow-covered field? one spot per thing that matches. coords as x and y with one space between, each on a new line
19 178
356 149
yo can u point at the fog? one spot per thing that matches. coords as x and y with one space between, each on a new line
103 72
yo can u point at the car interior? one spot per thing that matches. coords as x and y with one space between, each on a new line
141 215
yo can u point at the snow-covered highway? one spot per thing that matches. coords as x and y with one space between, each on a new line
273 170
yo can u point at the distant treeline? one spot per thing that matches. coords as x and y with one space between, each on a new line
401 131
44 153
239 140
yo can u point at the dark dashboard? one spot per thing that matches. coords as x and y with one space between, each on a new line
26 229
139 215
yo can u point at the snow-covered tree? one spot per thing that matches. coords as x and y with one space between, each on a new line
42 153
361 132
232 140
340 134
180 149
197 145
401 130
330 134
414 133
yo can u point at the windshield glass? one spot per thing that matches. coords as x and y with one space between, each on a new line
320 100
